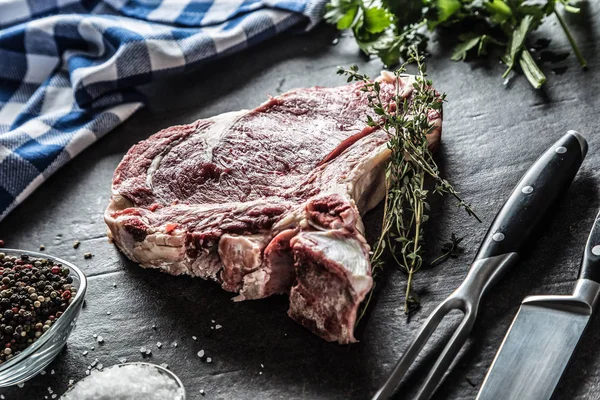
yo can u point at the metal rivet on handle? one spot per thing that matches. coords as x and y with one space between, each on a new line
561 150
596 250
498 236
527 189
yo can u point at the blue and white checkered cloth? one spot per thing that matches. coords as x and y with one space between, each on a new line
69 68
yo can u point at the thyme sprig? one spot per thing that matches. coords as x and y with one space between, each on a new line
406 210
450 249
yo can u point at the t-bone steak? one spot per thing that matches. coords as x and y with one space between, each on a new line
264 201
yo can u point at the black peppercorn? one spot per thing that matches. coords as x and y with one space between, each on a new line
33 293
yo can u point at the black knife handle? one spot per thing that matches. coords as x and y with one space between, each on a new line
590 266
545 181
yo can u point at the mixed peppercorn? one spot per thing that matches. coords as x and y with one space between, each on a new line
33 294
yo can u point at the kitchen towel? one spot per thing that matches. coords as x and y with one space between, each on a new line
69 68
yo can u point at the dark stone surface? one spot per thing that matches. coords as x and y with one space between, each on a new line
492 133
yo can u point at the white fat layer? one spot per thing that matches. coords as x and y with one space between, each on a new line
243 252
367 186
406 81
345 251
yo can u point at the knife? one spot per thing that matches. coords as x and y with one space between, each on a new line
544 335
543 183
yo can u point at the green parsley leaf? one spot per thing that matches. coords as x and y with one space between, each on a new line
499 11
376 20
388 28
446 9
460 51
342 13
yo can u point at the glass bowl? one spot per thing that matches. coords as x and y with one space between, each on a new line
40 353
106 383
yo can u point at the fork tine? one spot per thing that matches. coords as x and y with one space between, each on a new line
411 353
449 353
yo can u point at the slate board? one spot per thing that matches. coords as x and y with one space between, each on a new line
492 133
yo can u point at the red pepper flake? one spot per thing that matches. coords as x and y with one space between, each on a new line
170 227
55 270
52 318
154 207
15 310
66 294
1 243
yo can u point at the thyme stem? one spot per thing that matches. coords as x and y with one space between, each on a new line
406 122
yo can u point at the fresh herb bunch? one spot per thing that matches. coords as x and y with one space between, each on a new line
406 122
388 28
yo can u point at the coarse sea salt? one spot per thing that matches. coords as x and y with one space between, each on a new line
120 381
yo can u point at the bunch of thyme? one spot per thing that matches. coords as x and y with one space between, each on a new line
406 122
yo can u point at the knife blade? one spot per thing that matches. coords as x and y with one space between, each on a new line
544 335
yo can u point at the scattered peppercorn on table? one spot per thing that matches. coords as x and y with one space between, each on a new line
226 350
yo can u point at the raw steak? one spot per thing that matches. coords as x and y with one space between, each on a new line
264 201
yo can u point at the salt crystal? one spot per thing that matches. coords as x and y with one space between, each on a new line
120 381
201 353
202 392
194 338
54 396
165 366
52 372
148 352
108 313
212 327
100 367
142 349
262 365
94 362
92 348
122 360
85 353
260 373
43 372
87 372
174 344
50 390
114 285
153 326
158 344
218 326
208 360
71 381
100 339
212 320
95 335
21 385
